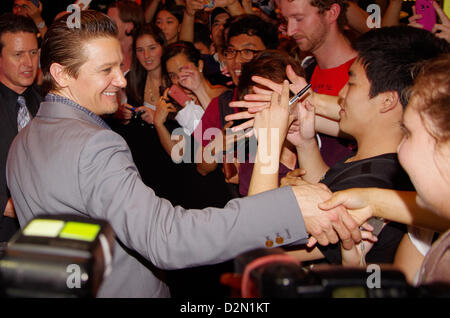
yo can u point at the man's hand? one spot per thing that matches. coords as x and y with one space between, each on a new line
32 11
9 209
325 227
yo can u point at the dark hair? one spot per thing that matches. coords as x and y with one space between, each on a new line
270 64
431 90
175 10
214 13
14 24
389 55
129 11
181 47
64 45
137 75
202 34
252 25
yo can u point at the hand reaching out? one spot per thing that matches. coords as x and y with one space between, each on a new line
356 201
325 227
303 130
193 6
293 177
441 30
261 98
274 117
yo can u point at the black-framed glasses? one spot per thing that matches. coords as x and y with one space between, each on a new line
246 54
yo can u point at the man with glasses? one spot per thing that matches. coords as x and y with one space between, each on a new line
30 10
245 36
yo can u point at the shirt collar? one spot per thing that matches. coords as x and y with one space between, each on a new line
64 100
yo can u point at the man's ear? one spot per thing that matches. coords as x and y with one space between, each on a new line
59 74
389 100
129 28
333 13
200 65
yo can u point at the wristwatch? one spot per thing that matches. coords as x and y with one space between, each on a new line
41 25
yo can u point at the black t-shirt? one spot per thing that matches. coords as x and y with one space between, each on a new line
382 171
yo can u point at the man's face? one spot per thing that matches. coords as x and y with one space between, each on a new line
217 28
19 7
357 108
122 27
100 77
241 42
425 162
304 24
18 60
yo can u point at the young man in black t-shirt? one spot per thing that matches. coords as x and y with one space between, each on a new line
372 104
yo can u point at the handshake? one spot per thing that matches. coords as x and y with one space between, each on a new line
326 220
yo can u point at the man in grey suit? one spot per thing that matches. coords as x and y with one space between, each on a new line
67 160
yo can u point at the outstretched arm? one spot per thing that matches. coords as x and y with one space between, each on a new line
397 206
187 25
270 127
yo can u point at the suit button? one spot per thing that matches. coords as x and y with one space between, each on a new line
279 240
269 243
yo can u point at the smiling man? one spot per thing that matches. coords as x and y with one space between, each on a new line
67 160
245 36
18 67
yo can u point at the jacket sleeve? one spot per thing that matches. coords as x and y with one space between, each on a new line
172 237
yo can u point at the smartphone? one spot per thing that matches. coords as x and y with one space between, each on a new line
177 94
208 4
35 2
426 9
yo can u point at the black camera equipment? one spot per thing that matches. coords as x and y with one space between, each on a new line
272 273
57 256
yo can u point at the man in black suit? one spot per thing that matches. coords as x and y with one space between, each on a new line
19 99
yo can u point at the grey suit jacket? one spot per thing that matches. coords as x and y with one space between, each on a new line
65 162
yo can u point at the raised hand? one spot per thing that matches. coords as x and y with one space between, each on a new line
441 30
163 108
190 78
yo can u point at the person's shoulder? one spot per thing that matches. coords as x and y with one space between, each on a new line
383 171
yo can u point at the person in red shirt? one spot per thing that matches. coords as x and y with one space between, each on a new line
318 28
